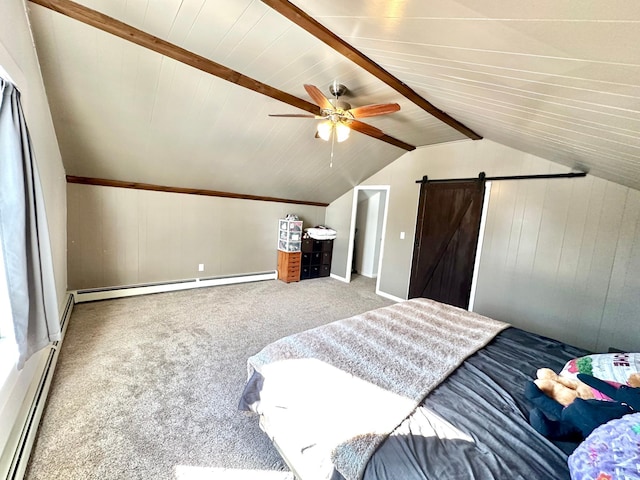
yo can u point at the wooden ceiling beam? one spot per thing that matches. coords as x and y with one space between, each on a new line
120 29
300 18
104 182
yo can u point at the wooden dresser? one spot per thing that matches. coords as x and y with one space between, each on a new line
289 266
289 240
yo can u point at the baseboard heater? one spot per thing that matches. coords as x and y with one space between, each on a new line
31 422
93 294
34 413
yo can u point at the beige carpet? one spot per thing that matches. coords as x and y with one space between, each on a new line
147 387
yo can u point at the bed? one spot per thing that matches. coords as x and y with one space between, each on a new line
416 390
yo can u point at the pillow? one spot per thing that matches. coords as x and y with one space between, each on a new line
614 367
611 451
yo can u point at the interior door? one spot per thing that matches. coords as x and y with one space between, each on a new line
446 239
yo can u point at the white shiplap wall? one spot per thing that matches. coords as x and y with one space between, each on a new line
561 258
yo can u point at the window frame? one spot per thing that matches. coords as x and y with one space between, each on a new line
8 346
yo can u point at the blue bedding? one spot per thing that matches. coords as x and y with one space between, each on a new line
474 425
484 399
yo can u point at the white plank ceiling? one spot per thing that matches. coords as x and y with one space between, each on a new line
558 79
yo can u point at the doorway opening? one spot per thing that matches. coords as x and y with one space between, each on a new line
368 226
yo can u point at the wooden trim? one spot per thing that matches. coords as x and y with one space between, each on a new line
300 18
394 141
120 29
103 182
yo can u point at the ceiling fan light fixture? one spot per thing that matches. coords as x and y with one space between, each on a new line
324 130
338 118
342 132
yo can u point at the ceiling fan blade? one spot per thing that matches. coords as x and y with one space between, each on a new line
365 128
373 110
318 97
294 115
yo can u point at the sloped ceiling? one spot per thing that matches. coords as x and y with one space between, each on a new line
557 79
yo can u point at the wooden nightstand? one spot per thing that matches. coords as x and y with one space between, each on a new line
289 266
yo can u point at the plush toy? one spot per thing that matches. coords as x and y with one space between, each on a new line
563 390
581 417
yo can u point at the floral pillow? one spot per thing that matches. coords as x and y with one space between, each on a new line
611 452
614 367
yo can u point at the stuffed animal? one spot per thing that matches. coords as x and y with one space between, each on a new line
581 417
563 390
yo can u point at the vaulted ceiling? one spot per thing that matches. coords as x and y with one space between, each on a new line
187 105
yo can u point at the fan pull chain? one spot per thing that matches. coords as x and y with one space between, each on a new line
333 127
333 142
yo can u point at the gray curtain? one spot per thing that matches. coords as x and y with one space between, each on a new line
24 233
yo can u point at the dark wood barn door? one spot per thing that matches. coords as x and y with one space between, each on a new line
447 231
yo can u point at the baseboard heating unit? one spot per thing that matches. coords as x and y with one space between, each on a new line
29 420
90 295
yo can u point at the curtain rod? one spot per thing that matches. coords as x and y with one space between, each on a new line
482 176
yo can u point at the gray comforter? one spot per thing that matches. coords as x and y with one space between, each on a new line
484 399
472 426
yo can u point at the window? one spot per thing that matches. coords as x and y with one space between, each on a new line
6 327
8 350
28 272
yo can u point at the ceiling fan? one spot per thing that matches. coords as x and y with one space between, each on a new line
338 118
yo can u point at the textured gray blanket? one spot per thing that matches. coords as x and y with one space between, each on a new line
339 390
